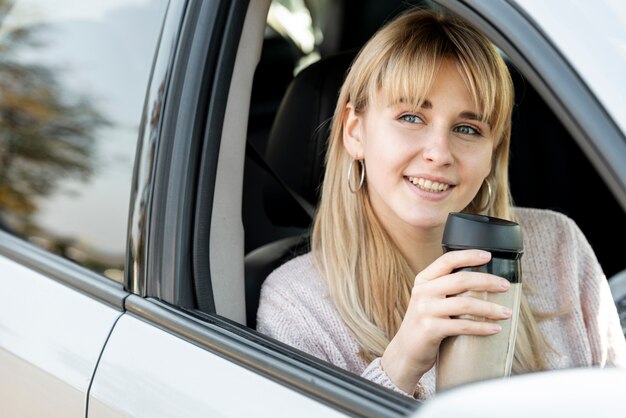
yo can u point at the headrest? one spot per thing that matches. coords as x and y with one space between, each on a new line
297 142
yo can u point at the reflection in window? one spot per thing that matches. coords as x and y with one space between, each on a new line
291 20
72 84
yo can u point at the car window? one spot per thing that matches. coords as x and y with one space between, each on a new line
73 80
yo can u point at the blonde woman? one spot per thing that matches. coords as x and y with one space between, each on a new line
421 129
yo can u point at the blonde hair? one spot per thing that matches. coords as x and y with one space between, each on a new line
369 280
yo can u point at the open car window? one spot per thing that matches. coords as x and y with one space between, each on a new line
544 138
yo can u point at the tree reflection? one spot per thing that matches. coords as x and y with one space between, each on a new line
5 5
46 134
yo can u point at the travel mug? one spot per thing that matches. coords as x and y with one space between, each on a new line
465 358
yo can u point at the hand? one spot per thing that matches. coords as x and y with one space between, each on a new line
432 315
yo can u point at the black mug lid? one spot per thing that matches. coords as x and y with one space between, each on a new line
464 230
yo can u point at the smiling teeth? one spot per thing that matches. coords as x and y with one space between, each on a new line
430 186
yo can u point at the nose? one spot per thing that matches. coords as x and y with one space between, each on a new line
437 147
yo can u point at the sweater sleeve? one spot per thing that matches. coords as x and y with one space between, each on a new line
600 314
282 317
283 320
307 322
374 372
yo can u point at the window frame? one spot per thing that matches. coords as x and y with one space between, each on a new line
62 270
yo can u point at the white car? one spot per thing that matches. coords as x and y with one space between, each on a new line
137 223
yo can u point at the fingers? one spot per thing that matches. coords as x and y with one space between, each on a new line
452 327
442 282
433 314
453 260
464 281
462 305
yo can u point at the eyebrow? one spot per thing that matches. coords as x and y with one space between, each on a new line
471 116
463 115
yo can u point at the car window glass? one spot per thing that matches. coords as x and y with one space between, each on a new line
72 85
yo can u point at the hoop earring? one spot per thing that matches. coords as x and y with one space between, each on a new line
489 197
361 180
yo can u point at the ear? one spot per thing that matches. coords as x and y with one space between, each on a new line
352 132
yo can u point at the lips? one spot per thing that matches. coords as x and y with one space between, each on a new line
429 185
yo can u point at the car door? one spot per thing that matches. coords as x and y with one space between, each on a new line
54 321
72 83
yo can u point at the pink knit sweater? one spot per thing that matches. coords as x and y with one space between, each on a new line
558 263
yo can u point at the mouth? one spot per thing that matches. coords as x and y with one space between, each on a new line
429 185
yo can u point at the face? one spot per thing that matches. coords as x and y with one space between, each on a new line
422 163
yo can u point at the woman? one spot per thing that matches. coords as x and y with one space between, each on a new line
421 129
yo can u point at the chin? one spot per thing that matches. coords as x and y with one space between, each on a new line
428 222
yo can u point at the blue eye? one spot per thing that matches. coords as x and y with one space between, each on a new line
467 130
411 118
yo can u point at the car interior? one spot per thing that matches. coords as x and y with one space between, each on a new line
293 98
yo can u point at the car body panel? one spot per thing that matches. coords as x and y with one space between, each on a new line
181 379
573 393
51 337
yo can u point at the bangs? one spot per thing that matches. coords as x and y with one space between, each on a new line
487 78
489 85
406 79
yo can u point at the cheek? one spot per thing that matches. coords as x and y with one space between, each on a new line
377 166
379 155
386 162
386 150
480 162
486 163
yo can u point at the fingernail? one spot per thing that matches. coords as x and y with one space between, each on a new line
506 311
485 255
505 284
496 328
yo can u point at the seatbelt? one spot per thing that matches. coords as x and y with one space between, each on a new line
260 161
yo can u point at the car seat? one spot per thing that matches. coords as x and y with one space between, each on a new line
295 150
